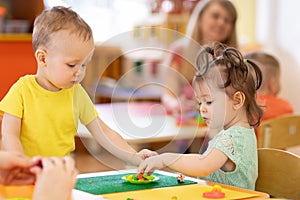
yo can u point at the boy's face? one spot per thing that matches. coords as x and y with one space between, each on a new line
215 106
66 58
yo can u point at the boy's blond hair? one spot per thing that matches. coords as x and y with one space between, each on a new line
268 64
56 19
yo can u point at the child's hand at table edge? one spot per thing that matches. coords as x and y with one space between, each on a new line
56 173
15 169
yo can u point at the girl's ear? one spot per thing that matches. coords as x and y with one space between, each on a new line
238 100
40 56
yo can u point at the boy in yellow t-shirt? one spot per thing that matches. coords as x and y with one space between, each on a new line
41 111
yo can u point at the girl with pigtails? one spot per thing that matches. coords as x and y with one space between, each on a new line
225 86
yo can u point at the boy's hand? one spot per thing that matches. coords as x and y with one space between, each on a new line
137 158
146 153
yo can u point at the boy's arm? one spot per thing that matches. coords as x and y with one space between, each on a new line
113 142
11 127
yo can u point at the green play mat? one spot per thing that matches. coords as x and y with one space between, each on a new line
115 183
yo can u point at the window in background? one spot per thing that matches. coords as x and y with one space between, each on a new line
107 18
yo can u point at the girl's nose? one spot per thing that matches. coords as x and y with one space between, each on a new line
202 108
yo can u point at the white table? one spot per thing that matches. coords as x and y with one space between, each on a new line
77 194
156 193
143 122
25 191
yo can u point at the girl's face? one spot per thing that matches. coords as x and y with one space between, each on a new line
65 61
216 107
215 24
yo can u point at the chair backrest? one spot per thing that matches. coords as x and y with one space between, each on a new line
280 132
278 173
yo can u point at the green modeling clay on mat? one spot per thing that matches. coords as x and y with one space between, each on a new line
115 183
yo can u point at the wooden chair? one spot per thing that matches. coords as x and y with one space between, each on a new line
280 133
278 173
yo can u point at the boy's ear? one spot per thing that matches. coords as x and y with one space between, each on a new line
273 86
238 100
40 56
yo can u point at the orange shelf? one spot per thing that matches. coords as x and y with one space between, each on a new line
16 59
15 37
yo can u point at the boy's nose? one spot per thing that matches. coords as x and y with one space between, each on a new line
78 71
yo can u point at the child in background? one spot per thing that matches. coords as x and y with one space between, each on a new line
268 92
59 174
225 86
211 21
41 111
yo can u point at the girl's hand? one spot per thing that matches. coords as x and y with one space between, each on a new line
152 163
55 179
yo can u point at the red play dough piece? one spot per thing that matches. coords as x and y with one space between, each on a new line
214 195
140 176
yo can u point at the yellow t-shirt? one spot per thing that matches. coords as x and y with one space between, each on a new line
49 119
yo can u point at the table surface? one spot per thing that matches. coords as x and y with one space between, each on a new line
192 191
126 94
143 122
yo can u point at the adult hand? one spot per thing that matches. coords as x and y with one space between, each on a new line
55 179
14 169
